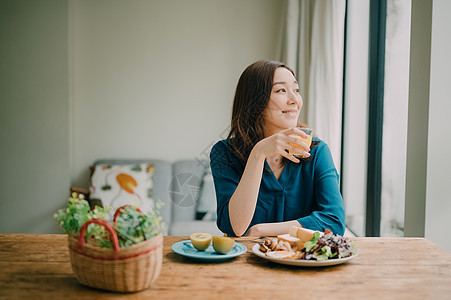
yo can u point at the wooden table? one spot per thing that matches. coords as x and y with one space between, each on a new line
34 266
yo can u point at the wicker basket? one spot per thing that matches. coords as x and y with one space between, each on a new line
127 269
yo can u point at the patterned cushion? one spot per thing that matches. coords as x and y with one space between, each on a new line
117 185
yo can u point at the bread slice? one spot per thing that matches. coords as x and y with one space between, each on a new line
303 234
294 231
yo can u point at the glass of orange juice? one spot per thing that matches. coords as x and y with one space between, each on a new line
308 140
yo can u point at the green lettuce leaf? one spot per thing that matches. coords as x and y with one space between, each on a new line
312 243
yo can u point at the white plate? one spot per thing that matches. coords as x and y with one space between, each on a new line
300 262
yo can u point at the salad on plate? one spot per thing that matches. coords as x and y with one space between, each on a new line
308 245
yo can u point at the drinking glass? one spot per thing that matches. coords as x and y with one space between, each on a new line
308 140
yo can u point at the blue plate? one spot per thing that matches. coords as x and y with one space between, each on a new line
187 249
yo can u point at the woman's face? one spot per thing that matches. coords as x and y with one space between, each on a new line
284 104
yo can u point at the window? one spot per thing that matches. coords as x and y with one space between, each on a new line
375 116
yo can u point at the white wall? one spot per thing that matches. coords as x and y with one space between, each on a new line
417 128
34 144
438 195
428 205
82 80
157 78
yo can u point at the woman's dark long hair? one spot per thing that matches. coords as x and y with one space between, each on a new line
251 98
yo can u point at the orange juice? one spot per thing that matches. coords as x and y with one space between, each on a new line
308 141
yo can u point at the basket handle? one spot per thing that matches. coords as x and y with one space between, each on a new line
119 212
81 237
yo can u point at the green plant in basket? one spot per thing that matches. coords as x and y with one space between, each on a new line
131 225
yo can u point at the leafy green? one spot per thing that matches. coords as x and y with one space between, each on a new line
324 253
327 246
312 243
76 214
134 227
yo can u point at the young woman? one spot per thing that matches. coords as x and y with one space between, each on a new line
261 189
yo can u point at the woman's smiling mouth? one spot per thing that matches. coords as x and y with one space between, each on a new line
290 112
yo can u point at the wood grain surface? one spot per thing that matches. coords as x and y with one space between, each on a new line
35 266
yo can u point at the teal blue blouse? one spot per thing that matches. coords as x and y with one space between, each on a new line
308 193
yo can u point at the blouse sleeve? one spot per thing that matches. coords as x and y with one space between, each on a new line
226 179
330 211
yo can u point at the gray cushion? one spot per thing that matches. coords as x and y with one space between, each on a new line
186 181
206 205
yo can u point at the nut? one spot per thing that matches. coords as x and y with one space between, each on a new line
273 245
263 248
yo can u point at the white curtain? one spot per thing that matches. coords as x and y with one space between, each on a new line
312 42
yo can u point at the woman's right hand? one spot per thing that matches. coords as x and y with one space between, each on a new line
279 143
